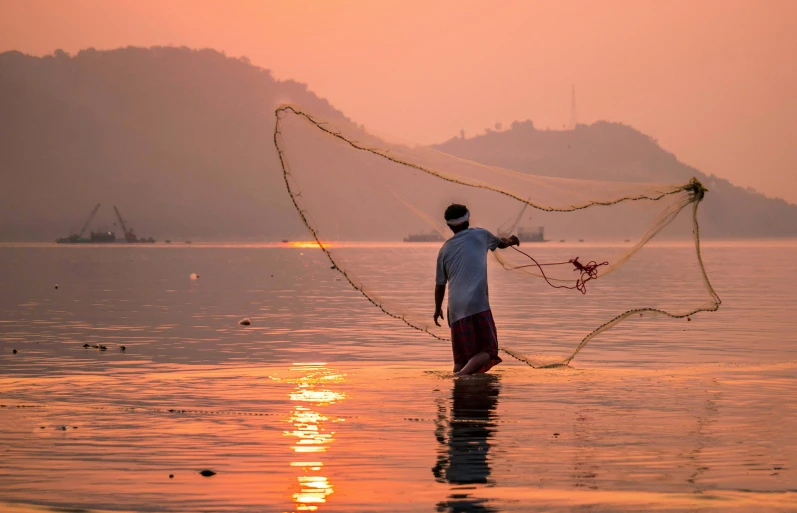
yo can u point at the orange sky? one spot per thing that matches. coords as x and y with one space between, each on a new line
714 81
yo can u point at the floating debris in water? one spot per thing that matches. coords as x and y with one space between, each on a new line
86 345
245 321
56 286
207 473
122 348
171 476
556 434
334 268
14 351
103 348
63 428
194 276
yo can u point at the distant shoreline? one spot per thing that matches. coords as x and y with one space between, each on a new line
305 244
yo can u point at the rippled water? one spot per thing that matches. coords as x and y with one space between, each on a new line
325 404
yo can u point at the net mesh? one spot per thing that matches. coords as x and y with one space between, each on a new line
350 187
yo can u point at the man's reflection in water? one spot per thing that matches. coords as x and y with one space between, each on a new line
471 424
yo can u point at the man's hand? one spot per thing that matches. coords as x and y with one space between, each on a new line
438 314
509 241
439 294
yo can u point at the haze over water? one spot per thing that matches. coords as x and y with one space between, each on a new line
326 404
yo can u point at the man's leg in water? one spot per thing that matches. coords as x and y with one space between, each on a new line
476 362
457 367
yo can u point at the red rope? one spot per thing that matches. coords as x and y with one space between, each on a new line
587 271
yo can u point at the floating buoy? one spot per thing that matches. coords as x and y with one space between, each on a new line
207 473
245 322
56 286
194 276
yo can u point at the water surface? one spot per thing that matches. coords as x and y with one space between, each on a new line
326 404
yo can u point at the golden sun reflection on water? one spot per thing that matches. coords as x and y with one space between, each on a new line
306 244
309 431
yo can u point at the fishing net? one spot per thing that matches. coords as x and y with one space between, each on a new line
356 192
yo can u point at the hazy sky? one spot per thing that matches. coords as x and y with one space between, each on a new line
714 81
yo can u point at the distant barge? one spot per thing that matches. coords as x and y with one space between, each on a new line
523 235
424 237
528 235
102 236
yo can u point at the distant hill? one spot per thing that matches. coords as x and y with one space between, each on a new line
180 141
617 152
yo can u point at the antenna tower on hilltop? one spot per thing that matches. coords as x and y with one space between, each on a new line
573 116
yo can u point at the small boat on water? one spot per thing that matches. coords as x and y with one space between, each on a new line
531 235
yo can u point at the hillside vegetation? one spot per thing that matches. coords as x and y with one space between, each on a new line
616 152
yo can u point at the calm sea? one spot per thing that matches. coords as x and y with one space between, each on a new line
325 404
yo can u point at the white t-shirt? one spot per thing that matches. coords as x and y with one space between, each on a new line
462 263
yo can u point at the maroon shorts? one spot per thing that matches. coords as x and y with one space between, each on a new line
472 335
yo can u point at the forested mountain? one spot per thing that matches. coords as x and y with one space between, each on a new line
181 141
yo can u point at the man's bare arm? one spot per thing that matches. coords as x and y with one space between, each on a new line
439 294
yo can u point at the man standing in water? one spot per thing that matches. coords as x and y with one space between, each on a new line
462 263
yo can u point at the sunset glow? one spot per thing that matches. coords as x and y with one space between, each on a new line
398 256
701 77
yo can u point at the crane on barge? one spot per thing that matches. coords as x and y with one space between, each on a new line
78 237
130 235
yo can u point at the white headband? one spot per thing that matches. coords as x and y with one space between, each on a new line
458 221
